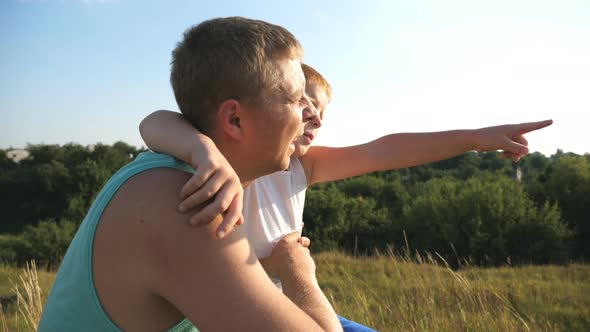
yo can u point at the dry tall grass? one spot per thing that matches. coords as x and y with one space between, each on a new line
30 299
401 293
421 293
3 319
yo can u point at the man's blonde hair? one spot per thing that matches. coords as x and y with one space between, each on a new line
228 58
313 76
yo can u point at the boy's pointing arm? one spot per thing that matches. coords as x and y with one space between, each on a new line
402 150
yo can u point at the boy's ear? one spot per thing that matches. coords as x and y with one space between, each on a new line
229 116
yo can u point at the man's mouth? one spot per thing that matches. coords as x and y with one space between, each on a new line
309 135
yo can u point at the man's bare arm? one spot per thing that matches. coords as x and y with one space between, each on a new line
219 284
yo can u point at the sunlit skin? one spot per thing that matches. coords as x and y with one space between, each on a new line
320 100
287 107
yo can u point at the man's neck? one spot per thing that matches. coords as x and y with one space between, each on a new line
236 158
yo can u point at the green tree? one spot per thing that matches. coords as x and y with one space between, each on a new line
493 161
534 175
32 192
568 183
111 158
324 217
88 178
44 154
75 154
47 242
541 240
476 216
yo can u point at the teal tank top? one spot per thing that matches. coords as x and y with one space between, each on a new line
73 304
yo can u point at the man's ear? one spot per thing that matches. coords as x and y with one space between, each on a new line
229 116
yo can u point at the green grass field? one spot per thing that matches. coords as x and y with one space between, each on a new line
394 294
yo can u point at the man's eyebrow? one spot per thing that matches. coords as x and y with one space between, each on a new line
296 94
300 92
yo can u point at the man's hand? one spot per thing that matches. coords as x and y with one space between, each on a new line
508 138
290 256
216 186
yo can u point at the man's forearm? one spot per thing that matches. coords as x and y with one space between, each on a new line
306 293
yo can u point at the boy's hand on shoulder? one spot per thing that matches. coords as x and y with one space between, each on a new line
215 187
508 138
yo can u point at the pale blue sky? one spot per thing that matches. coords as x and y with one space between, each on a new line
89 71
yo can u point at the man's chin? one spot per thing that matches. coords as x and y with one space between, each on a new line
284 163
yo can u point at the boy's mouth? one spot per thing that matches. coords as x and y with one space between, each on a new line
309 135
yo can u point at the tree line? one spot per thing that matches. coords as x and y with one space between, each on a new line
476 207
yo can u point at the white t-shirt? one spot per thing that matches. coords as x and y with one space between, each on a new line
273 207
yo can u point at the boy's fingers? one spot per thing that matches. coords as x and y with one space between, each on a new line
211 210
521 140
203 194
531 126
509 155
515 148
196 181
239 203
231 218
516 157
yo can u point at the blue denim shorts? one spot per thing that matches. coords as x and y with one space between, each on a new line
350 326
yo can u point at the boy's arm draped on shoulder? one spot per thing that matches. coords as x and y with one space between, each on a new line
168 132
402 150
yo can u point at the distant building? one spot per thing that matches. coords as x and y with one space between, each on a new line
17 154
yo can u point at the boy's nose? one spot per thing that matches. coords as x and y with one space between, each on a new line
310 113
316 121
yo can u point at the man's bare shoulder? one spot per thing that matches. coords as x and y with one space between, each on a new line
146 206
144 247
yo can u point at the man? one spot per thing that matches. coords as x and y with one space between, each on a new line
136 264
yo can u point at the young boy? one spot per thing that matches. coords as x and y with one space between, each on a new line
273 204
